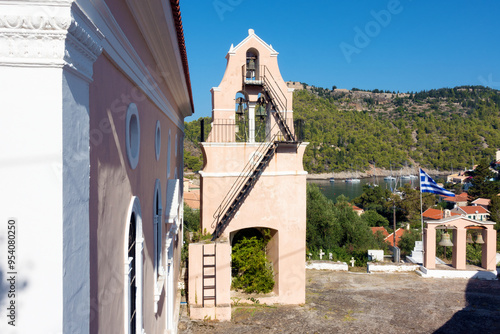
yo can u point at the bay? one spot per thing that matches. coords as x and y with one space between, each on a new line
352 190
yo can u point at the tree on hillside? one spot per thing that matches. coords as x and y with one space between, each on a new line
372 219
482 186
321 231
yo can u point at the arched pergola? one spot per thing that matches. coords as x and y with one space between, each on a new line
460 225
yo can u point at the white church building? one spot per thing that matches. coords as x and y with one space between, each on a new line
93 96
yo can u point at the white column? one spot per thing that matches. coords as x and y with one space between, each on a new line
46 54
251 122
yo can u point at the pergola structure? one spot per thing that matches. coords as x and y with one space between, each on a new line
460 226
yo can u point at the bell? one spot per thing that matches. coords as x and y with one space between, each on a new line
445 240
251 65
469 238
479 239
260 111
239 111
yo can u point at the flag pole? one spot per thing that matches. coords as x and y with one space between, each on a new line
421 213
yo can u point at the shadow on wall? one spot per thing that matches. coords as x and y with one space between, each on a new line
481 313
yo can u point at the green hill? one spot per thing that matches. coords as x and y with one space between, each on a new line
439 129
350 129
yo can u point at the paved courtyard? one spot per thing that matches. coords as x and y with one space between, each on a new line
348 302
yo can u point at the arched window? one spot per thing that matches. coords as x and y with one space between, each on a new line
134 269
169 149
252 65
241 119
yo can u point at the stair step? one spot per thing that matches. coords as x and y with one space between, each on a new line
209 298
208 276
209 266
209 287
208 255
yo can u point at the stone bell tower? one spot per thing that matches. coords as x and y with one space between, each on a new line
253 176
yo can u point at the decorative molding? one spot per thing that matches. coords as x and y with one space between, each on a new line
83 44
48 35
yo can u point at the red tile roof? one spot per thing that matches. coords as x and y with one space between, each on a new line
355 208
470 210
482 201
463 197
176 11
436 214
192 199
381 229
390 238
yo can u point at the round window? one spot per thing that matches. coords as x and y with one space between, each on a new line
133 135
158 140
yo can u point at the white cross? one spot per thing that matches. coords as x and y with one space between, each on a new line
352 261
321 254
330 256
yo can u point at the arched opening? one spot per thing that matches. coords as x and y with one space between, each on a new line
242 117
252 271
445 243
475 242
262 125
132 296
252 64
133 268
157 232
245 233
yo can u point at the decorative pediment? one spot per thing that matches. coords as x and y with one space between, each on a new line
252 35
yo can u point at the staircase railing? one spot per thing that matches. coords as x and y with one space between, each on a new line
243 185
265 151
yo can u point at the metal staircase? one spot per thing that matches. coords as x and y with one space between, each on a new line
263 155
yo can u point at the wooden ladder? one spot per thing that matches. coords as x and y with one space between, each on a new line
208 274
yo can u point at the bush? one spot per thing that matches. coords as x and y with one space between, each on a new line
253 271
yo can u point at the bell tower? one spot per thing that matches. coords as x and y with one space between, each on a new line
253 177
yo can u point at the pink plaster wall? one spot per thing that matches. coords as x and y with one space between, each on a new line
112 185
223 96
277 202
222 310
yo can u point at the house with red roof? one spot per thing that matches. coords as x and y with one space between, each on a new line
358 210
458 200
484 202
390 238
473 212
381 229
436 214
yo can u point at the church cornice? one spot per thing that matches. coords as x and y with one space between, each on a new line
46 35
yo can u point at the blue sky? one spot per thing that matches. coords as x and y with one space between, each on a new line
391 45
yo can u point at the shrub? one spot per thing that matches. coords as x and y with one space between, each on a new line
253 271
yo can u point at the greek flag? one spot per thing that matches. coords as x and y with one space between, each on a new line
428 185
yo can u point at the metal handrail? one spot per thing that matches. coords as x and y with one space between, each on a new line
235 189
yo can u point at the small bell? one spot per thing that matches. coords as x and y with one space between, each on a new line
445 240
251 65
479 239
240 111
469 238
260 111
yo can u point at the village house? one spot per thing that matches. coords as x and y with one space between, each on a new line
458 200
473 212
484 202
94 96
436 214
